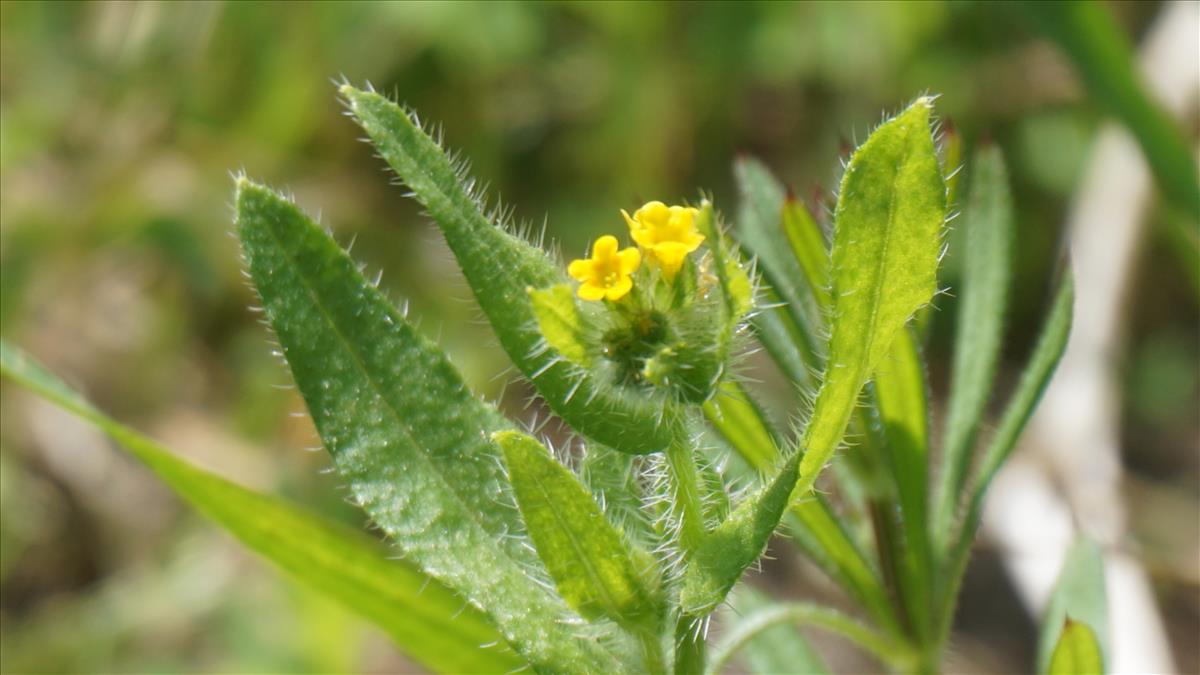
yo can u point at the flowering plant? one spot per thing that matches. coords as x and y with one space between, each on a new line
615 556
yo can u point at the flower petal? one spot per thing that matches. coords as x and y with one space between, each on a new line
670 255
653 214
604 248
589 291
620 288
630 259
580 270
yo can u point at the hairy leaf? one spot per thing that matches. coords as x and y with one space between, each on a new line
726 551
595 570
812 525
428 621
500 267
988 225
889 216
401 426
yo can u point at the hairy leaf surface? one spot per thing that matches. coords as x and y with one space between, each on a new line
885 250
401 426
595 569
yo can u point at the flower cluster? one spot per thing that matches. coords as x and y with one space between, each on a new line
665 235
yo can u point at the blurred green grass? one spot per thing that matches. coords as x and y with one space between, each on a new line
120 124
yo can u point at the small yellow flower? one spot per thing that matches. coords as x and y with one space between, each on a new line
667 233
606 273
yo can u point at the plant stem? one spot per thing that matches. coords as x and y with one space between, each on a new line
652 652
690 647
685 492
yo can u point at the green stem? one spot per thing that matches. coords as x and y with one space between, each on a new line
685 492
652 652
690 647
898 655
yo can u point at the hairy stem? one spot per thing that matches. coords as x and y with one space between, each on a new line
652 652
685 492
690 647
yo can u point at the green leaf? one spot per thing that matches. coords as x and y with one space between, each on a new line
775 649
1079 598
560 322
743 425
500 267
900 395
726 551
595 570
1035 378
789 328
401 426
988 229
428 621
761 233
1033 382
739 419
1077 652
809 248
889 217
1093 40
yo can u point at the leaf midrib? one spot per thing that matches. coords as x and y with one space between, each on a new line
873 321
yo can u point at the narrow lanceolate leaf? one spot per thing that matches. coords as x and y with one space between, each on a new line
740 420
809 249
1049 349
789 330
500 267
988 225
726 551
1077 651
900 395
401 426
888 223
761 232
428 621
1079 598
594 568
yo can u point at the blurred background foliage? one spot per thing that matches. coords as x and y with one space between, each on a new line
121 123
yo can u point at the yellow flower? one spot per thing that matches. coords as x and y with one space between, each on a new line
667 233
606 273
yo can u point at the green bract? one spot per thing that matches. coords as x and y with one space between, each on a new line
614 557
